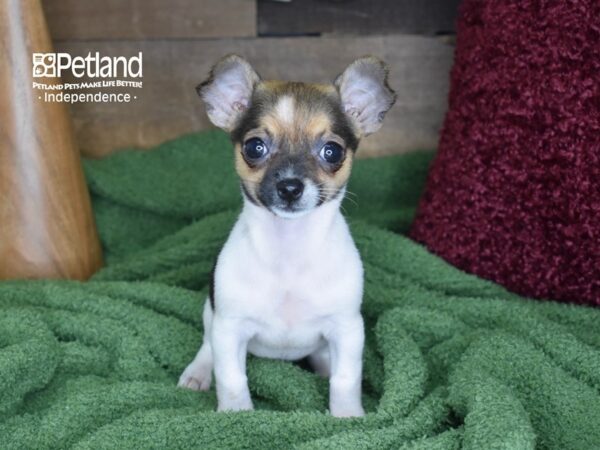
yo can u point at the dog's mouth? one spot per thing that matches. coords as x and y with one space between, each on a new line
290 211
310 198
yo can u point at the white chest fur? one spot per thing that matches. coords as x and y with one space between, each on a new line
288 280
284 288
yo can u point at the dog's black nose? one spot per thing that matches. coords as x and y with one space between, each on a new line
290 189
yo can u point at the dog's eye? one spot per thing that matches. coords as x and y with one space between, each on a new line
255 148
332 152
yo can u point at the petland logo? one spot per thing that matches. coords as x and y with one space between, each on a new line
98 72
94 66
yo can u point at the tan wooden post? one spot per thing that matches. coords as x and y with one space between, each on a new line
47 228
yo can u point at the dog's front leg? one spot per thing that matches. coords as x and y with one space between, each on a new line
229 343
346 343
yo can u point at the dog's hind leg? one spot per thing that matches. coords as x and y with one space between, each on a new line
198 374
320 362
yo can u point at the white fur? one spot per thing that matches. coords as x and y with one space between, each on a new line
284 109
285 288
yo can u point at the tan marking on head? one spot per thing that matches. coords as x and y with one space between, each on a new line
293 117
324 88
272 85
279 126
273 126
318 124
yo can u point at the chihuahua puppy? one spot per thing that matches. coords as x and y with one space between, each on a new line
288 282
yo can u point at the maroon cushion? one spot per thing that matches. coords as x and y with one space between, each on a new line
514 192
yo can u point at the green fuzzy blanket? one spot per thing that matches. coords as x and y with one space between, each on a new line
451 361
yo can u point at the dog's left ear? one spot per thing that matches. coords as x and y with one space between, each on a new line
365 93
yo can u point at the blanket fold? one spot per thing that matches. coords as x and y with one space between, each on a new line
451 361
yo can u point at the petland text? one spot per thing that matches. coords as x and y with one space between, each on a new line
92 65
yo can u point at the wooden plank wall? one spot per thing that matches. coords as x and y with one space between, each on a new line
150 19
180 40
356 17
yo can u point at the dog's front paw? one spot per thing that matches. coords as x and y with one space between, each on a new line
356 411
233 399
235 405
196 377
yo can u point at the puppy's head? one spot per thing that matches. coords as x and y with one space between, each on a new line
295 142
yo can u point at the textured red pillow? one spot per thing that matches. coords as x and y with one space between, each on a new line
514 192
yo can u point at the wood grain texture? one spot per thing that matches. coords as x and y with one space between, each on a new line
46 223
168 106
356 17
150 19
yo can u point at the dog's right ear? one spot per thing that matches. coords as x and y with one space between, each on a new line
227 91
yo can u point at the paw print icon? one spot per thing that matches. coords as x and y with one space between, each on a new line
44 65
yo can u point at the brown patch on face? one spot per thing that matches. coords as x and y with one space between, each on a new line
250 176
332 182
